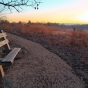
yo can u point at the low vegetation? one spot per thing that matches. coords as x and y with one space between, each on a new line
70 45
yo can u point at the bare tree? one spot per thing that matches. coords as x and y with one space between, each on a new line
18 4
2 17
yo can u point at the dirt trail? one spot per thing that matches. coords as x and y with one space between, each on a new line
39 68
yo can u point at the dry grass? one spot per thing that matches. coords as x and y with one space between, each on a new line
77 38
54 35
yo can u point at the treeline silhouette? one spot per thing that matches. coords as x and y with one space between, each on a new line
59 25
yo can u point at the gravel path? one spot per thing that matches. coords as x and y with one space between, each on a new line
39 68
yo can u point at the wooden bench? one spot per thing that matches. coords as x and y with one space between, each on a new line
10 54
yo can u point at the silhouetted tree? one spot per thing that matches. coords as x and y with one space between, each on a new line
29 22
17 4
4 21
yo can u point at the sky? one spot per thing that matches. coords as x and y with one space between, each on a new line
55 11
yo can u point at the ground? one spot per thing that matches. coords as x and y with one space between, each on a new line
38 68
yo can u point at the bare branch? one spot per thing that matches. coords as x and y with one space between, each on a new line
19 3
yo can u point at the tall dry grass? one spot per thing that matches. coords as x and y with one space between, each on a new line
53 35
79 38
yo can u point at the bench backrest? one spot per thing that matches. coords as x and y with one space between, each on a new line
4 42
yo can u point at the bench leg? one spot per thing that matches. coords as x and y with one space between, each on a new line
1 71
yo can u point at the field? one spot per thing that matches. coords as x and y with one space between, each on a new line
70 45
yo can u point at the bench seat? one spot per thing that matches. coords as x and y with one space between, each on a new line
10 57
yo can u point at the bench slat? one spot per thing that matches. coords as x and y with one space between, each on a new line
4 42
2 35
10 57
